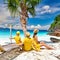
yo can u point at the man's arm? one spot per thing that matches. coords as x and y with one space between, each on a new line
11 38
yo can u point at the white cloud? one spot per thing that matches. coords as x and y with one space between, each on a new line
5 17
17 26
2 26
39 27
46 9
55 9
4 13
46 27
32 26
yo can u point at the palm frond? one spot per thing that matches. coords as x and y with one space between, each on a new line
12 6
31 11
31 4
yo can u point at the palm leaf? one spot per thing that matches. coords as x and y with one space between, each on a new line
31 4
13 7
31 11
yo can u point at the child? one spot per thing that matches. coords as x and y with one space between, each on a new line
17 39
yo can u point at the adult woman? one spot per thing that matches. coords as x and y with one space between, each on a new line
35 37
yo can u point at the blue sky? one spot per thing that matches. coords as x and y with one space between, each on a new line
46 11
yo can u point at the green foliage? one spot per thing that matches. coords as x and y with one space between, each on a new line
56 23
14 6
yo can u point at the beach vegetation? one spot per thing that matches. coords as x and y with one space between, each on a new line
56 24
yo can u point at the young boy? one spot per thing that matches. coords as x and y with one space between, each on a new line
17 39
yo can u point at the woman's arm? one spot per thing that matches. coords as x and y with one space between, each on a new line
36 38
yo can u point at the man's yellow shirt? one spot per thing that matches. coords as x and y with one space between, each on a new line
27 44
17 39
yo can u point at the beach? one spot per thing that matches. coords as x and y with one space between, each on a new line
43 54
32 55
29 29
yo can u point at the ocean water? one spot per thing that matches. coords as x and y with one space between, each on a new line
5 35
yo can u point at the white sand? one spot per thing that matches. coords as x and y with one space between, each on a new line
4 41
33 55
42 55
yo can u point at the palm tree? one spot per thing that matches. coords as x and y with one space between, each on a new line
22 8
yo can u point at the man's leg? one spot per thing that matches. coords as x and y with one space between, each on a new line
20 45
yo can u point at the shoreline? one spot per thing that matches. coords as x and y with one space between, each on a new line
46 38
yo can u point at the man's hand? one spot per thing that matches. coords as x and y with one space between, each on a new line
11 38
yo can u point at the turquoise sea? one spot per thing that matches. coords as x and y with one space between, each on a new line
4 32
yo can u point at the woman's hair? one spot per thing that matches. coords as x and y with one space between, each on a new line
34 34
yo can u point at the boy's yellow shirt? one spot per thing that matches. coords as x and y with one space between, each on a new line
27 44
17 39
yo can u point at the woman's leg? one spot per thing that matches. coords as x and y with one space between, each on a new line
47 46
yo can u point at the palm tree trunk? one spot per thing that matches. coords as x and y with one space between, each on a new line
23 24
23 17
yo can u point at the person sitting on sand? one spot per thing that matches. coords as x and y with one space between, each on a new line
29 43
17 39
35 37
